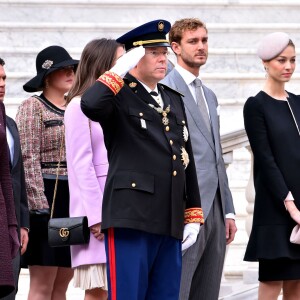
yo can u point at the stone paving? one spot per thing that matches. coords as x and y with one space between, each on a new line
72 293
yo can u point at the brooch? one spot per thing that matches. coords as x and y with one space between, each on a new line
185 133
47 64
164 113
184 157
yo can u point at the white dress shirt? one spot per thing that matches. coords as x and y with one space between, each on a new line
11 144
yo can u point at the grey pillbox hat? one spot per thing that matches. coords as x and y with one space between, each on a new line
272 45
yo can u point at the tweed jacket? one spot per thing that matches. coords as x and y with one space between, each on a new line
41 129
147 187
8 222
87 170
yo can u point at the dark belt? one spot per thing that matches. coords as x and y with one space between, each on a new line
53 164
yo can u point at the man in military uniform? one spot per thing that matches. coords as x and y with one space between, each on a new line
151 203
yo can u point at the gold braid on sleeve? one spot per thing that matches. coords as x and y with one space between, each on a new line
112 81
193 215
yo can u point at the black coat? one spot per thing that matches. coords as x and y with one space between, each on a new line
147 187
275 143
18 179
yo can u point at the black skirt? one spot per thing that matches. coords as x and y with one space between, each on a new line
279 269
38 251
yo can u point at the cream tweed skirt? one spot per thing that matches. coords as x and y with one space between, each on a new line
89 277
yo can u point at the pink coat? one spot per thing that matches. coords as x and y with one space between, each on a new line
87 169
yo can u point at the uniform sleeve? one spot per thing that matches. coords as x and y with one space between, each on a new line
29 122
258 137
97 102
80 163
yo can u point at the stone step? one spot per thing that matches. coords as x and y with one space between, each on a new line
77 34
226 11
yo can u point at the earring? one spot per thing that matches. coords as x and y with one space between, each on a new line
267 70
46 84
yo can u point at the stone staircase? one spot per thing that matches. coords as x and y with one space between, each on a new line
233 71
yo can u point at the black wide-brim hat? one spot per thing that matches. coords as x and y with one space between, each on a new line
151 34
48 60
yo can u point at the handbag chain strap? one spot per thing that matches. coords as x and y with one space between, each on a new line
293 116
57 173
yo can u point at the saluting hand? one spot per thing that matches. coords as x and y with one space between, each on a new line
128 61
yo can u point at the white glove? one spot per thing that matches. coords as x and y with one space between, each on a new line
128 61
190 233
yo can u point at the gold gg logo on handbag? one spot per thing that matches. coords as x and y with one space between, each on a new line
64 232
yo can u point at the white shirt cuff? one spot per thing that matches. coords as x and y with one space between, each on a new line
230 216
289 197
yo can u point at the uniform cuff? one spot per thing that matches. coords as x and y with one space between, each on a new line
112 80
193 215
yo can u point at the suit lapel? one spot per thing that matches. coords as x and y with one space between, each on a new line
164 95
192 107
139 90
14 132
213 117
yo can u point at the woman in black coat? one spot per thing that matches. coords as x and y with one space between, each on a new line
275 142
8 223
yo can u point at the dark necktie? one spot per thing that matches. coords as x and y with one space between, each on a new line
201 103
153 93
157 98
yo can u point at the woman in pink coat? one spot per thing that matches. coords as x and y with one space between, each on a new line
87 168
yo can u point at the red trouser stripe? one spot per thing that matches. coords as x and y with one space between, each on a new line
112 263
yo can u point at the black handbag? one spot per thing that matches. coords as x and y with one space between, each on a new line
66 231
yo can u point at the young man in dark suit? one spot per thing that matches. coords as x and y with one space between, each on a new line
18 181
151 203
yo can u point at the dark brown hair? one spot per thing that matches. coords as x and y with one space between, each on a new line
97 57
2 62
180 26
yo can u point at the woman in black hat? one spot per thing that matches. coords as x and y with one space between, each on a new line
40 122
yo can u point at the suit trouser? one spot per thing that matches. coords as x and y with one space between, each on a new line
16 270
202 264
141 265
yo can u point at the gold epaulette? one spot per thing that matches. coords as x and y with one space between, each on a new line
112 81
193 215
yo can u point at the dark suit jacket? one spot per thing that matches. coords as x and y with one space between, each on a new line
18 179
147 187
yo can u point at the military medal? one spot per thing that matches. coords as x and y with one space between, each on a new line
184 157
185 133
165 119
